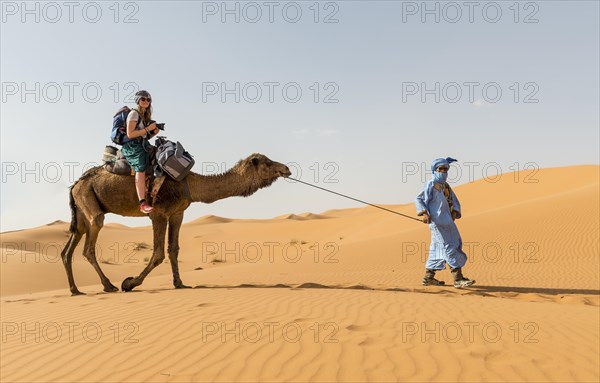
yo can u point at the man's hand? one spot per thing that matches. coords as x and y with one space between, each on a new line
426 218
455 215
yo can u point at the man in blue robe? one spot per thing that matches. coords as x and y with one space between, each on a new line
439 207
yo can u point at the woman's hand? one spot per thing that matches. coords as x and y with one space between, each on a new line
152 129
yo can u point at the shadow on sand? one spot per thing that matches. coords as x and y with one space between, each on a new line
532 290
483 290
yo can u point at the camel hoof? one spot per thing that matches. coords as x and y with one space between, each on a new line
110 289
76 292
182 286
128 284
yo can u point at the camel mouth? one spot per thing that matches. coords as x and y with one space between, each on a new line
285 174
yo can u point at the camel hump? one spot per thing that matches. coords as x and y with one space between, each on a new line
90 172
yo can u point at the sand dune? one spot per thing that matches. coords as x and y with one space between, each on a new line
209 219
57 222
313 216
303 216
253 334
333 296
116 225
291 216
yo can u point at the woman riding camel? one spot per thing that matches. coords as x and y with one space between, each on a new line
140 128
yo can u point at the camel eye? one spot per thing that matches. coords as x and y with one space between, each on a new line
269 163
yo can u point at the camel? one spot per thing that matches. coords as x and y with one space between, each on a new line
98 192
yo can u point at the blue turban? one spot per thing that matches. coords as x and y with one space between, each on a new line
441 161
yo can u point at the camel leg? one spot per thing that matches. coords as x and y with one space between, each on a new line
67 253
159 228
173 248
94 227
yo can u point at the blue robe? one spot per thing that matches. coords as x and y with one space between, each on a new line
446 243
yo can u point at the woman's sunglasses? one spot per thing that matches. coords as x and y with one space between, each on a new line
146 99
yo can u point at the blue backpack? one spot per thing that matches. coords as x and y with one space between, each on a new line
119 129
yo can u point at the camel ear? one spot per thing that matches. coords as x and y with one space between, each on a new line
255 161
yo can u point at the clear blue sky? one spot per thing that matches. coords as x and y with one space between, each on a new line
375 61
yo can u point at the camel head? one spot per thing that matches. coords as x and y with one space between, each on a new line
261 170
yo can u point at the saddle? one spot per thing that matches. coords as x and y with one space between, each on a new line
116 163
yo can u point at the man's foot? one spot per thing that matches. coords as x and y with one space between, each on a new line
145 208
465 282
432 282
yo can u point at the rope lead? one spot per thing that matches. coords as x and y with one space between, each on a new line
355 199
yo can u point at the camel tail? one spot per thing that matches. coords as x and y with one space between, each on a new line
89 173
73 227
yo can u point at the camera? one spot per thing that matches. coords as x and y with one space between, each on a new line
160 126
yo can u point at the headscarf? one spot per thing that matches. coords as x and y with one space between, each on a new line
441 161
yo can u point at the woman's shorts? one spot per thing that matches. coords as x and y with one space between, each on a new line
135 154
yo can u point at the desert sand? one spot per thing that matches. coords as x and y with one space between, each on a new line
325 297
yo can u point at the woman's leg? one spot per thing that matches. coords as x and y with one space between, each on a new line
140 185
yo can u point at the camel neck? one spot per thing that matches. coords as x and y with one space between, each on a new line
212 188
